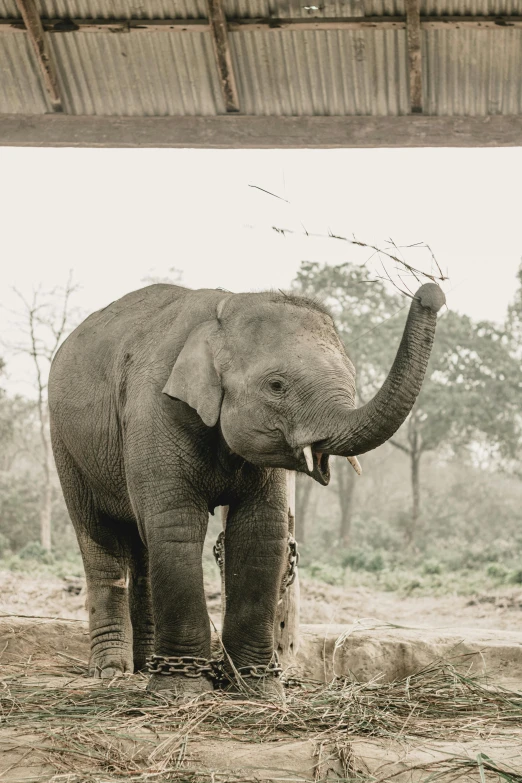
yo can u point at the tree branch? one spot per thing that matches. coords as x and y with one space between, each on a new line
399 446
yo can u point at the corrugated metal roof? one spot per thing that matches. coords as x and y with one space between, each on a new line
123 9
473 72
301 9
142 75
322 73
21 88
471 7
112 9
190 9
8 9
469 72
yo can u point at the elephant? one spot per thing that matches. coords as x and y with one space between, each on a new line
170 402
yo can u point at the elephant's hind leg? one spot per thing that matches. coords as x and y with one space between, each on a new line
140 604
105 550
106 563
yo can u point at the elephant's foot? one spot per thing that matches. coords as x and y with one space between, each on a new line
178 688
109 664
265 688
254 681
140 659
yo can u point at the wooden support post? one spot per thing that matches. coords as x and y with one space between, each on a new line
224 515
219 32
286 635
413 33
36 34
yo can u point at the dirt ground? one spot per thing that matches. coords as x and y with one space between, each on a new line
399 712
125 735
46 596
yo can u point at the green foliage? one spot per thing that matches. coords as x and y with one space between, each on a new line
497 571
468 540
5 545
64 566
470 398
33 550
473 383
473 388
22 481
516 577
326 572
514 318
369 319
431 566
363 560
19 507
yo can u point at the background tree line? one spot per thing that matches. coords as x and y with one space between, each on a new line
444 491
446 487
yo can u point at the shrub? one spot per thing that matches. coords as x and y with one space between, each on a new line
5 548
431 566
325 572
375 563
497 571
363 560
516 577
35 551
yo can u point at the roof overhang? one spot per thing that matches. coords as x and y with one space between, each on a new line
422 76
241 132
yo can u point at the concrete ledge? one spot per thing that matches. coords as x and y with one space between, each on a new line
365 651
361 651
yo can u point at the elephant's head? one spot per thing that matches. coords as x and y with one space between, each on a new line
272 370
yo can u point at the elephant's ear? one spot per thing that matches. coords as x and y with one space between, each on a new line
194 378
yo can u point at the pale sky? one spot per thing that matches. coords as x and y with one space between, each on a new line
116 216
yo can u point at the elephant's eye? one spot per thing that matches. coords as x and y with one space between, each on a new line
276 386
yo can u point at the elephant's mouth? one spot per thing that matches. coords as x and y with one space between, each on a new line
321 471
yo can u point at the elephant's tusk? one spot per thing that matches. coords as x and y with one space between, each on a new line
307 451
356 465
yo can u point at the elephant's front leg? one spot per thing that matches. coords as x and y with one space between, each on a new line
256 539
182 627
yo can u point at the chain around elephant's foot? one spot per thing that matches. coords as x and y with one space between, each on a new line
180 678
178 688
267 689
262 682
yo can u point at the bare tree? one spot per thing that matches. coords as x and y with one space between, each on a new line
303 490
346 480
45 322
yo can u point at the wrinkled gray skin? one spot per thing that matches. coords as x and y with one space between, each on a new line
170 402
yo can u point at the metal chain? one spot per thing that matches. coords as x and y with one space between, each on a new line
273 669
189 666
219 551
186 665
293 562
293 559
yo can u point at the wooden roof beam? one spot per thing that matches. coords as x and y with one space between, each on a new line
413 35
35 31
237 131
219 33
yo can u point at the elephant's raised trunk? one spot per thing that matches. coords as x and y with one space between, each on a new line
366 428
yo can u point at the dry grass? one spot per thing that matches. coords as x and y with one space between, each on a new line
103 734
